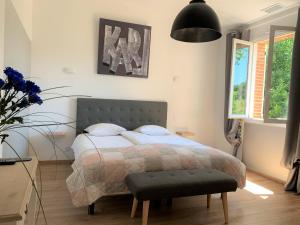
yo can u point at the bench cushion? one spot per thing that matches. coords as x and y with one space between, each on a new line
179 183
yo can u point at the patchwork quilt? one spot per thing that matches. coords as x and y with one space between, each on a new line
101 172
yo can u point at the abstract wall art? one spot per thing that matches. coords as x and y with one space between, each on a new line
124 49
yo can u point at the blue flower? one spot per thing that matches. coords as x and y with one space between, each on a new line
35 99
20 85
32 88
7 86
12 74
15 79
1 83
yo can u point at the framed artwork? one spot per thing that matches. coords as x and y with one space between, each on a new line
124 49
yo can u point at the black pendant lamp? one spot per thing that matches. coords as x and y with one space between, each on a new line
197 22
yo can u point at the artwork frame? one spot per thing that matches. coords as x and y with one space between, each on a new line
124 49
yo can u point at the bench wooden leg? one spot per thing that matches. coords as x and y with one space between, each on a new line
208 200
146 205
134 206
225 206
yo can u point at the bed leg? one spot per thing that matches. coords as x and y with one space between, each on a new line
208 200
91 209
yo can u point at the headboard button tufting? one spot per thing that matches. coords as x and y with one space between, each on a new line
129 114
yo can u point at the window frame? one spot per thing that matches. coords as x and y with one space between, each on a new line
249 79
268 81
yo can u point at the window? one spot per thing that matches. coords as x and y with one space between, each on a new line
278 74
260 77
240 78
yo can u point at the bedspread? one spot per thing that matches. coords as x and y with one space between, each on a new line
101 172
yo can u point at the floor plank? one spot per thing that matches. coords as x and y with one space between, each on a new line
245 208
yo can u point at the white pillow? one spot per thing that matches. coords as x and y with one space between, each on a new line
153 130
104 129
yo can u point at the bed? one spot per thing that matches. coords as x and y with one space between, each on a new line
102 163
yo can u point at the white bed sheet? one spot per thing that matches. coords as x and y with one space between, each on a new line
85 142
172 139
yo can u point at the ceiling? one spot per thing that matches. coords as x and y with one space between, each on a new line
241 12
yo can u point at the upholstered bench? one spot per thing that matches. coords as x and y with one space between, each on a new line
180 183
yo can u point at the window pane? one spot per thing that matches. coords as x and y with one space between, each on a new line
240 78
281 74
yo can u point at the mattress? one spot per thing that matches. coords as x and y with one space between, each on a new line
172 139
84 142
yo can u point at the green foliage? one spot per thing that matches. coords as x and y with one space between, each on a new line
239 99
281 74
239 55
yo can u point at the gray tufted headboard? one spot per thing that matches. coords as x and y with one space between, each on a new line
126 113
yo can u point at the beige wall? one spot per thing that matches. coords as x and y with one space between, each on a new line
17 45
24 11
17 54
2 21
220 141
263 148
182 74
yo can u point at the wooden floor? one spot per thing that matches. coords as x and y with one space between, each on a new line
245 208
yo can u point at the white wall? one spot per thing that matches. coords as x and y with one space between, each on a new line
263 149
260 30
220 141
17 54
65 34
24 11
263 144
17 45
2 21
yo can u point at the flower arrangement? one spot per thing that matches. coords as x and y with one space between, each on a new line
16 95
